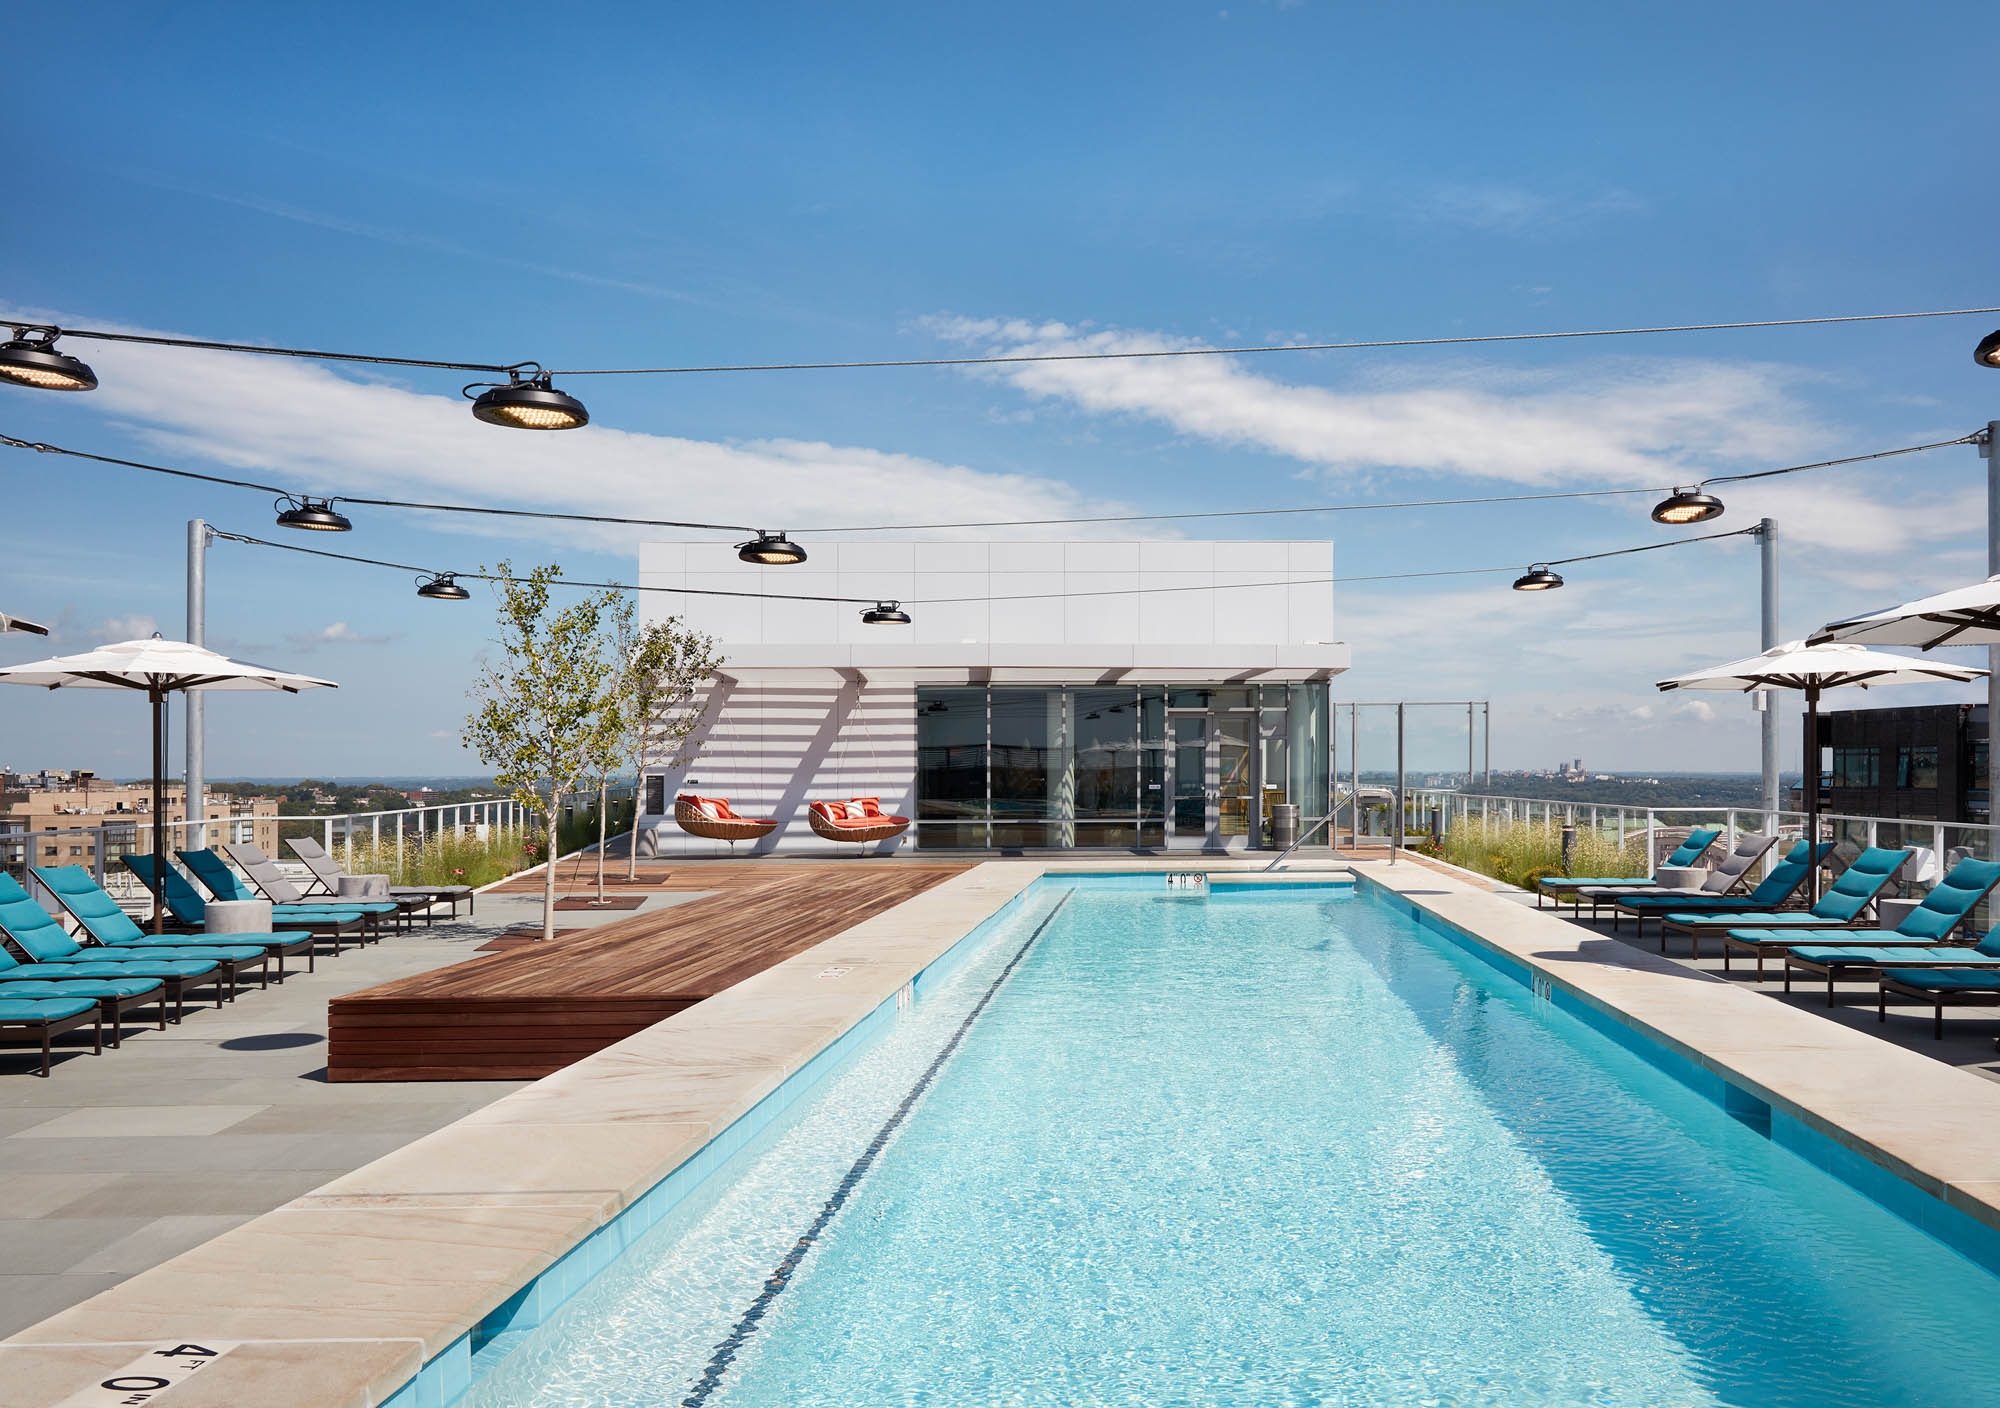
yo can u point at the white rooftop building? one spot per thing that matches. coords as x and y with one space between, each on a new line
1045 694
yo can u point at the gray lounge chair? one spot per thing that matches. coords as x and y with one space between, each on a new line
328 874
1687 853
265 875
1729 875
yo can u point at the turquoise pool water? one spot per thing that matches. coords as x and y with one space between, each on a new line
1282 1148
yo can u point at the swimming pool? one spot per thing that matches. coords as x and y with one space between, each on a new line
1258 1147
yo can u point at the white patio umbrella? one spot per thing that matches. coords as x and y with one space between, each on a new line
1812 668
159 668
1961 616
16 623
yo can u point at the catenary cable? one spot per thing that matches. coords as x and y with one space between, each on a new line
42 447
201 344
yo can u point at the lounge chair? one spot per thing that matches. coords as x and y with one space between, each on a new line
186 910
1772 893
41 941
283 894
328 875
33 932
712 819
1929 926
44 1018
1688 853
220 881
1941 987
859 819
114 995
1729 874
107 924
1844 905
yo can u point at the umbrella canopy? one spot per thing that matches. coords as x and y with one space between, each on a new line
1797 665
158 668
1961 616
1812 668
15 623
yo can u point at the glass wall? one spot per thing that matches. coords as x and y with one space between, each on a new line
1027 767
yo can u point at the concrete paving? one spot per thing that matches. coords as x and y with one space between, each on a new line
121 1161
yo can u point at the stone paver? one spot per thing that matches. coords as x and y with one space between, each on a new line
121 1161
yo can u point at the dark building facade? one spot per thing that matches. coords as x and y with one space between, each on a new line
1926 763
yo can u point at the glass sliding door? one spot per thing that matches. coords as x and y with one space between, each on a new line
1106 723
1029 782
1193 787
1154 768
951 769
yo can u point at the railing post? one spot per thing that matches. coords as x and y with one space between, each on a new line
1874 831
399 843
1651 850
326 841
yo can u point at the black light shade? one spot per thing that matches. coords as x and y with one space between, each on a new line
771 550
1537 579
1687 506
531 405
885 613
314 515
1987 354
35 362
443 588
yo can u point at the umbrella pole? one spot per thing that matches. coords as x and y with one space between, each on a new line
159 814
1812 786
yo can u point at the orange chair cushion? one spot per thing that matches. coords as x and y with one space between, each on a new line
867 806
832 811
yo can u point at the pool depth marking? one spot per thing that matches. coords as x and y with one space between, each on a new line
725 1353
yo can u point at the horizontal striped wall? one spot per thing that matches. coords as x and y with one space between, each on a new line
773 749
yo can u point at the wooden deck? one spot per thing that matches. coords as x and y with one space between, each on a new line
532 1010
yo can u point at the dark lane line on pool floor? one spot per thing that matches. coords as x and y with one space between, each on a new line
774 1286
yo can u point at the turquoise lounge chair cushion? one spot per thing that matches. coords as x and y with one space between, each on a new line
1799 918
10 968
214 872
1986 951
79 987
28 1009
184 902
1945 979
1795 937
1945 907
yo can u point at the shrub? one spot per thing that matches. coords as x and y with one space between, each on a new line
442 857
1523 852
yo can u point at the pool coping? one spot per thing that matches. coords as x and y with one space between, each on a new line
374 1289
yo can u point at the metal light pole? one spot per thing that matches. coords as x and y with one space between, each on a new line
197 627
1767 537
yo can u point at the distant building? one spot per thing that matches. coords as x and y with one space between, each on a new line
1927 763
51 818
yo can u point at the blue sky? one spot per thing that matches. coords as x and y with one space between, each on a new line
766 183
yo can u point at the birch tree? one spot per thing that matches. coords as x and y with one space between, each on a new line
538 711
660 670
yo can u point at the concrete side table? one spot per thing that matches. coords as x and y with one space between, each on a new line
236 917
1891 913
1681 877
362 887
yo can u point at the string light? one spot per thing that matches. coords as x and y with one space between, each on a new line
885 613
771 550
1687 506
528 403
313 515
442 588
34 361
1537 579
1987 354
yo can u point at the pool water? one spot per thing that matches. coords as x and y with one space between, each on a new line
1282 1148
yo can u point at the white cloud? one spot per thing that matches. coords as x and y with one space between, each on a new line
339 633
1627 422
118 628
1513 210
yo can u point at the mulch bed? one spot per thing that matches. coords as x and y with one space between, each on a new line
588 902
517 937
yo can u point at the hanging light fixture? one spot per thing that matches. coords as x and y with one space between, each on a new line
442 588
34 361
1687 506
771 550
528 403
1987 354
885 613
314 515
1537 579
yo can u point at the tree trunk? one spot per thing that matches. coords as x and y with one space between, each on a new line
632 846
603 823
549 869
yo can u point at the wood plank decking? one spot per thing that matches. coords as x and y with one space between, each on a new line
532 1010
